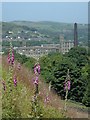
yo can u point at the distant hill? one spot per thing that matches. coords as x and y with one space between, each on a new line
47 29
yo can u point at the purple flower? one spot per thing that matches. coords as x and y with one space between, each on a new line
12 58
67 85
35 70
39 68
15 81
36 80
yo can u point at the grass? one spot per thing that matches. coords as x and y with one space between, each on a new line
77 105
21 96
24 92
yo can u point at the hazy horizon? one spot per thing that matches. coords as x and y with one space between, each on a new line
42 21
66 12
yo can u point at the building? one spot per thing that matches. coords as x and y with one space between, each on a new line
65 46
37 51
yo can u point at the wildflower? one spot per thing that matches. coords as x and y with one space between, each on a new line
12 58
67 85
15 81
36 80
37 68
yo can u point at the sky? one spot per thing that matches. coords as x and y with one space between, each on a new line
67 12
44 0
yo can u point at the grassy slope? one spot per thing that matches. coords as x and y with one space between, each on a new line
55 106
23 95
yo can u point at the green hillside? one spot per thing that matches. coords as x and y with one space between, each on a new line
46 29
17 100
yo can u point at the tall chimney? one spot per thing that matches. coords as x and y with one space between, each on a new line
75 35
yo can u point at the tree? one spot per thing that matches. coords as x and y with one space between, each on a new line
54 68
86 98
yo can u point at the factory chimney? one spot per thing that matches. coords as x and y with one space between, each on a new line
75 35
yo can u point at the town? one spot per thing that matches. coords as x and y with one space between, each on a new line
36 51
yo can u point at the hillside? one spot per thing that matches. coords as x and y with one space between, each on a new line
23 93
53 70
53 109
22 96
46 29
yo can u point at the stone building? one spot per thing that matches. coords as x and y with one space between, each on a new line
38 51
65 46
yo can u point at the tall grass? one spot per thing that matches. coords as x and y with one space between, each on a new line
18 104
24 92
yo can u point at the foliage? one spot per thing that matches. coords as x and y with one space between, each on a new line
78 56
36 42
30 63
20 58
54 68
17 101
22 101
86 98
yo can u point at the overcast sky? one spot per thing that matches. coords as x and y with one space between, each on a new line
68 12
